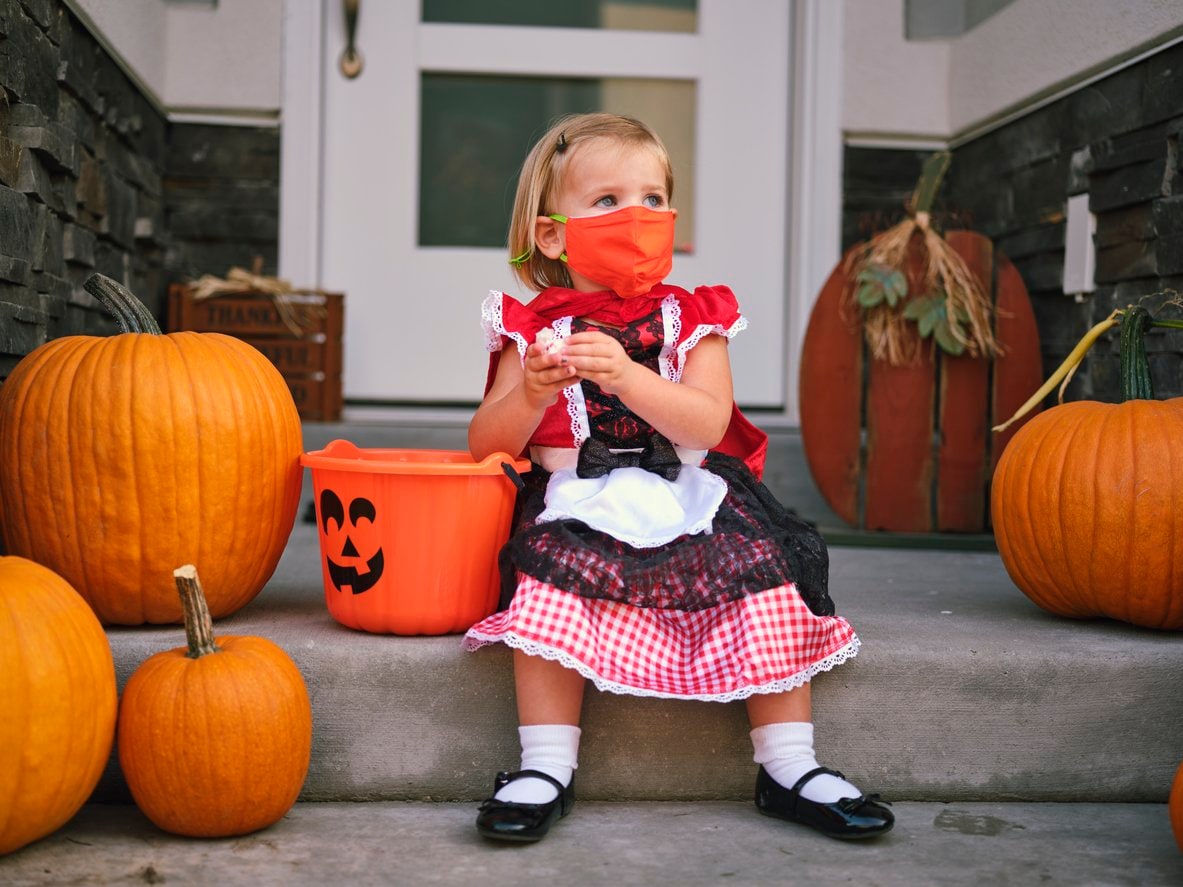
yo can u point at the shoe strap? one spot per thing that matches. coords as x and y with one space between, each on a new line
795 791
504 779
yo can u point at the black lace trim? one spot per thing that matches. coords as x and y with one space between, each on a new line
608 419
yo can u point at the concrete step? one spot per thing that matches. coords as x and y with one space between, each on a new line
682 844
963 691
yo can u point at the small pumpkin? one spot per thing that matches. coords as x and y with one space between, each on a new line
1087 500
123 456
57 702
214 737
1175 807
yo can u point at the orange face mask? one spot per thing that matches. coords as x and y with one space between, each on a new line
629 250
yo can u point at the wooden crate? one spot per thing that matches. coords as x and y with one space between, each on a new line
309 362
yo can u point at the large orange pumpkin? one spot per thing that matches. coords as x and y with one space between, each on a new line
215 737
123 456
57 702
1087 502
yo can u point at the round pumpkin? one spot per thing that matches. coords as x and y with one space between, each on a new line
57 702
1087 503
214 737
123 456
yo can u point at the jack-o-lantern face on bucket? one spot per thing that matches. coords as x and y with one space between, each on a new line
345 533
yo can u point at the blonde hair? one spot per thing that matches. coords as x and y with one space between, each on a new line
541 178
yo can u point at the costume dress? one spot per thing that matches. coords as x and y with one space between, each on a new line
651 569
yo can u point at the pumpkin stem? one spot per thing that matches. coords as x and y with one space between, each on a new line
199 627
931 175
128 311
1135 369
1065 369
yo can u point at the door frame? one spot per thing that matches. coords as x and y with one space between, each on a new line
814 208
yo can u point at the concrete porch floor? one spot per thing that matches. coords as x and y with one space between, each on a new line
653 843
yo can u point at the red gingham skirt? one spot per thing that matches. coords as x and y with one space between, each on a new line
767 642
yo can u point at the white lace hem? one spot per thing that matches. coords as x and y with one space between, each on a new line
474 640
493 325
671 316
702 331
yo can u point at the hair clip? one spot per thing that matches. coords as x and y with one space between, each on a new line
562 144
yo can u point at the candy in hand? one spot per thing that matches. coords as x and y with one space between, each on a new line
547 342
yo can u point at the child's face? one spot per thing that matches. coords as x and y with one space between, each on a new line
602 176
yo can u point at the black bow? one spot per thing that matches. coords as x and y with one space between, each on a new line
659 457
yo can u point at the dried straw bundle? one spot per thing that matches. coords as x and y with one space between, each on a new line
943 275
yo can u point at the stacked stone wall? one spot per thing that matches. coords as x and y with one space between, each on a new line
93 177
1116 140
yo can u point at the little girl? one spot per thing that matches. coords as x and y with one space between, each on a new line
646 555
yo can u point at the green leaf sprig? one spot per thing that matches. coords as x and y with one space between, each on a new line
878 284
931 314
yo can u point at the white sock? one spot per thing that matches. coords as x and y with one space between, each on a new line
551 748
786 751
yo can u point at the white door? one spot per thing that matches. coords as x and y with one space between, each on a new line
718 93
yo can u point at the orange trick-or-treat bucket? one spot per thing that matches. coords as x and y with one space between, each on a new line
409 538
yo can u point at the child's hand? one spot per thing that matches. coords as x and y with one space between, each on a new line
547 342
546 374
599 358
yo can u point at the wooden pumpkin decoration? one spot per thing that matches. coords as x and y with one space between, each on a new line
1088 502
1175 807
214 738
916 346
123 456
57 702
906 448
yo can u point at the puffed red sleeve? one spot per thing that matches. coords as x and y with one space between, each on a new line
504 319
709 310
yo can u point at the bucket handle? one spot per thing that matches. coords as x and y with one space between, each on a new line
513 475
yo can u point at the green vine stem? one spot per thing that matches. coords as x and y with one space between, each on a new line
199 627
1135 368
128 311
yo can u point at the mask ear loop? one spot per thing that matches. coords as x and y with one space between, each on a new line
518 261
561 220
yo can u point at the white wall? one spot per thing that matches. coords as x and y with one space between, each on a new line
1033 47
946 88
221 58
890 86
225 57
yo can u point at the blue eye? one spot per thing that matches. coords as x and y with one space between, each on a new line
609 200
654 201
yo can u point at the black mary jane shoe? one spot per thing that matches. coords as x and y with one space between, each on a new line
511 821
848 818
